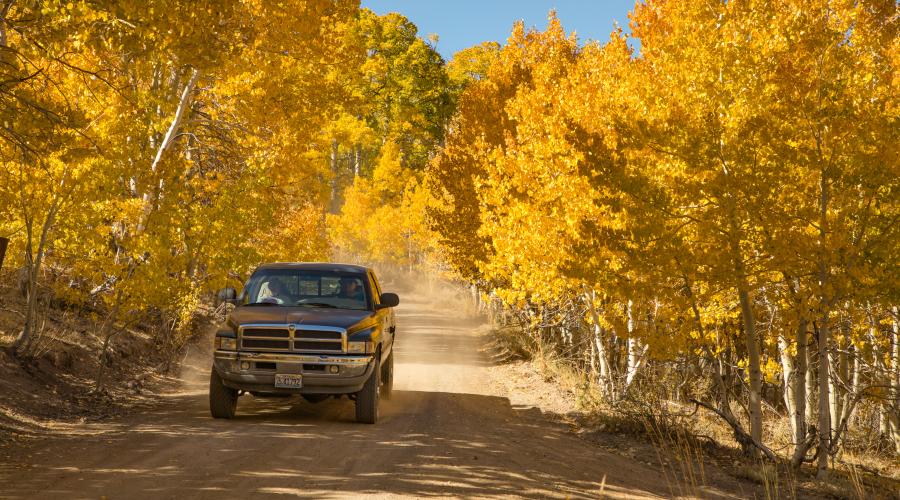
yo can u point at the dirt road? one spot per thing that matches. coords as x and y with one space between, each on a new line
444 434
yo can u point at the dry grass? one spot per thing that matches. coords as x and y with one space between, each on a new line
685 443
680 456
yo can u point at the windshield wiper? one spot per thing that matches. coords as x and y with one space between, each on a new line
317 304
262 304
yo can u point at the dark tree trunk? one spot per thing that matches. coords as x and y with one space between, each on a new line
4 242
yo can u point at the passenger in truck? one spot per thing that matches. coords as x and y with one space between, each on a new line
351 289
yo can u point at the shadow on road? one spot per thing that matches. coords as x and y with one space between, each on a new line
443 434
289 447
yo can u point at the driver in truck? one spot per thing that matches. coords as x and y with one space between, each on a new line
277 292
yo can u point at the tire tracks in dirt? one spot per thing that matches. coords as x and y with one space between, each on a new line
446 433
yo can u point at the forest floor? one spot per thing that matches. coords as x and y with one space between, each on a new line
464 422
689 462
56 391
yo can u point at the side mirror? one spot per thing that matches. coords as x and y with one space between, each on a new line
227 295
389 300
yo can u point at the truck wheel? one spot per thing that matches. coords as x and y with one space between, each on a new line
367 398
222 400
387 377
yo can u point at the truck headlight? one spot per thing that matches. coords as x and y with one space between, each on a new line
226 343
360 347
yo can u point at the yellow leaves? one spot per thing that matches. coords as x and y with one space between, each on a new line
771 370
295 234
243 181
533 195
383 219
472 64
389 178
669 176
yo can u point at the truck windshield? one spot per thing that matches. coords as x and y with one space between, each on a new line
303 288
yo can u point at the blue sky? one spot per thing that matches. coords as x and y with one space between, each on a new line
463 23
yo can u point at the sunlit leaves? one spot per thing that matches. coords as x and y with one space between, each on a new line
673 177
93 88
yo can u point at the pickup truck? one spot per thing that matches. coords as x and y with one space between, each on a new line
315 329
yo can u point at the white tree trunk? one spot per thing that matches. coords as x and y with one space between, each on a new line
824 410
151 197
824 324
753 360
790 375
334 176
605 375
34 259
894 393
183 104
635 349
835 383
811 384
796 396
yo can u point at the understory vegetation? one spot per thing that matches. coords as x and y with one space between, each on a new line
701 212
716 213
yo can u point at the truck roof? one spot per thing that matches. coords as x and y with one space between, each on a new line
317 266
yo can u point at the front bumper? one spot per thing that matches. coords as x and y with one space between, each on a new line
255 372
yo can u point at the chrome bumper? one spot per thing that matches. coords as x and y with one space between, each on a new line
244 371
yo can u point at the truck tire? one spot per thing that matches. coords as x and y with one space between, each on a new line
367 398
387 377
222 400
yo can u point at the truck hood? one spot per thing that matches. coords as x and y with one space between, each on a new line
340 318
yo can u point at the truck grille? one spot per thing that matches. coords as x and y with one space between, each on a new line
267 344
316 334
317 346
267 332
300 338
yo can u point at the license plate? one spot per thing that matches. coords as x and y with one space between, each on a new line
288 381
